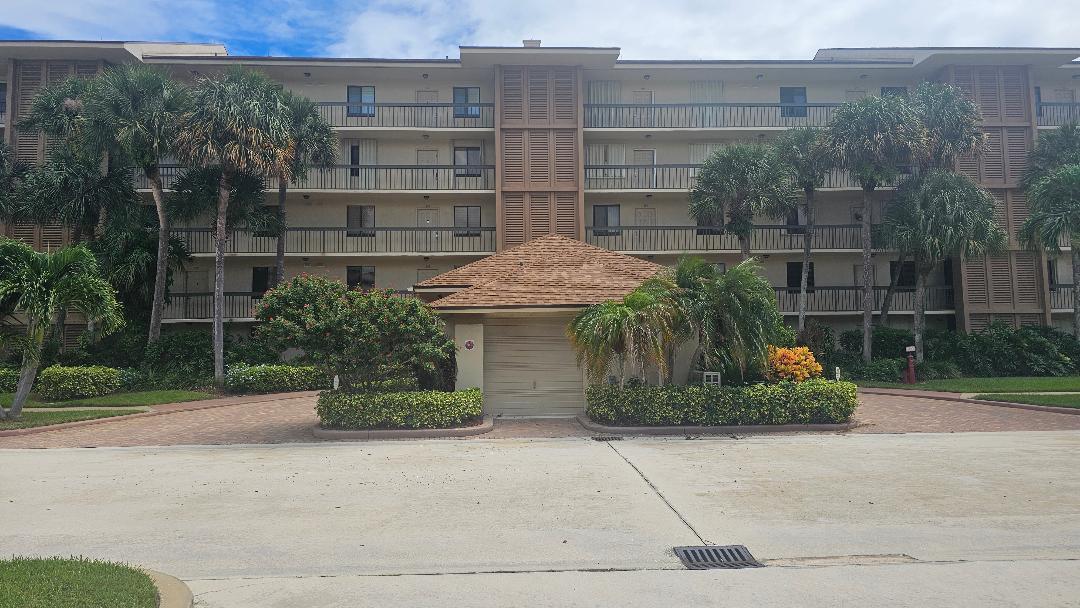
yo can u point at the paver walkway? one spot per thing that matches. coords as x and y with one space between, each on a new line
288 418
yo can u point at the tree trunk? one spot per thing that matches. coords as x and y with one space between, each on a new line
157 307
919 322
279 260
867 276
1075 243
744 246
28 373
220 235
894 279
808 239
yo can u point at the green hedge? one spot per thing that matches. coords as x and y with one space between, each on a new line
811 402
59 383
251 379
9 378
402 410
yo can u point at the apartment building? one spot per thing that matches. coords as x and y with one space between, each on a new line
446 161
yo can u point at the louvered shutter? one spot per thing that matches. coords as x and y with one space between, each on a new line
1026 272
1001 280
1018 212
968 165
1014 91
993 158
539 214
564 93
566 214
513 94
539 158
31 79
1016 152
989 98
539 107
976 287
513 159
566 159
978 323
964 79
1000 208
513 218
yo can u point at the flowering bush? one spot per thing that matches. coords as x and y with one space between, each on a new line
796 364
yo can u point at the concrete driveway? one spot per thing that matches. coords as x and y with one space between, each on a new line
974 519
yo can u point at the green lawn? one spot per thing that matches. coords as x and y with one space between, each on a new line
30 418
988 385
118 399
1051 400
73 583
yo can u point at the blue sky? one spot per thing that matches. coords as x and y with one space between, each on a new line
644 29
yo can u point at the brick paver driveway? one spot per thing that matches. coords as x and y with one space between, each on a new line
289 418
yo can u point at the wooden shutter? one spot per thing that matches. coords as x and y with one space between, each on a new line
1001 281
1019 210
978 323
1014 93
986 84
976 287
513 94
1026 271
539 158
30 80
513 218
539 107
566 159
513 159
566 214
564 88
993 158
1000 208
1017 143
539 214
964 79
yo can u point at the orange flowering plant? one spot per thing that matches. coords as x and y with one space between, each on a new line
796 364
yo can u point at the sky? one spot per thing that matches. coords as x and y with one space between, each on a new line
643 29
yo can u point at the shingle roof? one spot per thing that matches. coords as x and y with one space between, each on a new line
548 271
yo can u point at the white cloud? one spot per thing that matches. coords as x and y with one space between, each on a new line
692 29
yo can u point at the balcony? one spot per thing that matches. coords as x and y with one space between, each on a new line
682 239
939 299
239 306
707 115
347 241
422 178
679 177
396 115
1061 297
1053 114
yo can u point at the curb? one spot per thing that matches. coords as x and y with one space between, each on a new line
485 426
172 592
146 414
711 430
1074 411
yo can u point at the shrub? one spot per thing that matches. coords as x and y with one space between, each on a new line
881 370
275 379
819 338
936 370
181 359
251 351
796 364
814 401
132 379
9 378
57 383
885 341
340 409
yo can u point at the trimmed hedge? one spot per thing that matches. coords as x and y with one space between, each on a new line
815 401
255 379
9 379
341 409
59 383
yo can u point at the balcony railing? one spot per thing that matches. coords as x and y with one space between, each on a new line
706 115
331 241
239 306
1055 114
849 299
678 177
373 177
705 238
1061 297
409 115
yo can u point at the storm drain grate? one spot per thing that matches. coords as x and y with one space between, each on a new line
710 557
606 438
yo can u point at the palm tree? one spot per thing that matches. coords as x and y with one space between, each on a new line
238 122
1054 148
137 109
12 172
314 143
39 286
736 182
871 137
804 153
937 215
951 121
1054 198
57 111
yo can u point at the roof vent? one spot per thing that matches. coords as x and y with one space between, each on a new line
531 43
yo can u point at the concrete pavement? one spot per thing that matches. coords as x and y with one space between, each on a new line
977 519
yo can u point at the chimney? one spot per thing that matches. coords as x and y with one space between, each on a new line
531 43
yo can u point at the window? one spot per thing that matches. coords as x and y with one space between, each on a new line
260 279
605 217
362 277
794 221
354 160
466 216
1051 272
467 157
894 91
466 102
720 267
907 273
794 276
361 101
360 220
793 102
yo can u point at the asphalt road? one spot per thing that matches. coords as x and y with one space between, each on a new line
965 519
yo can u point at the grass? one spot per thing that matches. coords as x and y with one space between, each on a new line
118 399
32 419
1051 400
76 582
988 385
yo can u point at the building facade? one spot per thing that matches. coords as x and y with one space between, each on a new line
444 162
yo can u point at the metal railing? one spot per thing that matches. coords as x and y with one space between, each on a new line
1061 296
706 115
1055 114
706 238
409 115
849 299
372 177
682 176
239 305
347 240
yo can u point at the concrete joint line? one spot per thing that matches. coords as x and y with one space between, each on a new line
659 494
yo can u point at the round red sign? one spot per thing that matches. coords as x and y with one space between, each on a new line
469 344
